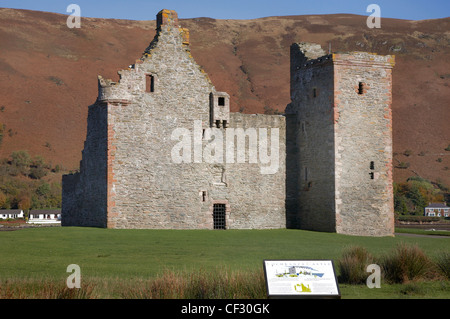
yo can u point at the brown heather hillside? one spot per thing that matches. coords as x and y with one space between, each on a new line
49 74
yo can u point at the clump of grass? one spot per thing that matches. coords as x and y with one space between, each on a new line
443 264
404 264
353 264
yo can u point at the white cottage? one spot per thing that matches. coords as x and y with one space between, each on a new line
45 216
11 213
437 210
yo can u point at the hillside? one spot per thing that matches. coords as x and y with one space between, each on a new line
49 74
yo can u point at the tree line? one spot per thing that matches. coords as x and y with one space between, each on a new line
412 196
22 183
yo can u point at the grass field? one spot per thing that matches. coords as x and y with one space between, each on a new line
131 256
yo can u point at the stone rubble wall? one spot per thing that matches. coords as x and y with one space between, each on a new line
128 165
363 134
84 194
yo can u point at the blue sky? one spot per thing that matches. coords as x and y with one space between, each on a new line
237 9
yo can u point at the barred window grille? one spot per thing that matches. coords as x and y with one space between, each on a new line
219 216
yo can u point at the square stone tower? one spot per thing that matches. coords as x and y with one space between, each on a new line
339 124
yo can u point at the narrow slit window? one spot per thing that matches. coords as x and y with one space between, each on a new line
314 92
372 175
149 83
360 88
221 101
372 165
203 196
306 173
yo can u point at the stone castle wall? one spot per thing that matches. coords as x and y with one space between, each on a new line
84 194
148 181
163 148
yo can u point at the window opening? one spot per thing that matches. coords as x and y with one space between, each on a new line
149 83
204 196
221 101
372 165
219 216
314 92
361 88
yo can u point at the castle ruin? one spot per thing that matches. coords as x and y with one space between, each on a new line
163 150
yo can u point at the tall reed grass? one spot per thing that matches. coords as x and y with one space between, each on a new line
352 265
405 263
43 289
201 284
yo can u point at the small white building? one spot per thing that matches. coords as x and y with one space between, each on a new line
437 210
45 216
11 213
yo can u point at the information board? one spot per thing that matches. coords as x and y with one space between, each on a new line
301 279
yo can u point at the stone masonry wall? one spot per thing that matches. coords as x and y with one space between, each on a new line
363 130
312 125
341 117
84 193
147 189
144 185
256 197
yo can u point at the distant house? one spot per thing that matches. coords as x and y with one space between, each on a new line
44 216
11 213
437 210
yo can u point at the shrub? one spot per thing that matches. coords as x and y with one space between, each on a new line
418 219
403 165
21 160
406 263
37 172
38 168
407 152
352 265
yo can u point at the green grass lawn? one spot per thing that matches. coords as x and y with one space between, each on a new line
122 255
